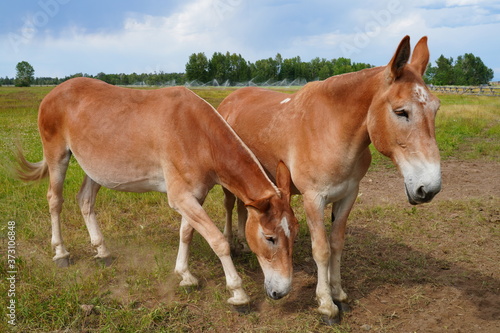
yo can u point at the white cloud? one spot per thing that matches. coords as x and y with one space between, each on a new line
361 30
145 43
451 3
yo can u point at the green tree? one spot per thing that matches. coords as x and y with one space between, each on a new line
466 70
319 69
470 70
197 67
324 72
443 73
239 69
291 69
264 70
25 74
218 67
341 66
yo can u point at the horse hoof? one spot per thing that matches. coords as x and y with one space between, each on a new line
242 309
329 321
343 307
63 262
106 261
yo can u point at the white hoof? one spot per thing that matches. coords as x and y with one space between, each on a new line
239 298
189 281
329 310
62 261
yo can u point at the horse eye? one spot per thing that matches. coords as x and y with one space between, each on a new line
270 239
401 113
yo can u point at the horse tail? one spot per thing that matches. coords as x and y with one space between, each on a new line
28 171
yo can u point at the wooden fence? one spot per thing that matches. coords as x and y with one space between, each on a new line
468 90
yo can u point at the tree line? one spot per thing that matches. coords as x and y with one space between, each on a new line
220 69
233 69
148 79
467 70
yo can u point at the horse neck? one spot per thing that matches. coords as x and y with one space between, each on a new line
360 86
236 167
239 171
352 95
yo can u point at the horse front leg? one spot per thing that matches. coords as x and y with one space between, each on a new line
238 242
194 217
229 200
314 208
340 213
242 222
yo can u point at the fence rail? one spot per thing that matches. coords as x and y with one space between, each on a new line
468 90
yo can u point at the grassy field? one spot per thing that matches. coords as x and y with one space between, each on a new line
140 293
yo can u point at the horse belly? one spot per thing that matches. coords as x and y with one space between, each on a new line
127 177
135 185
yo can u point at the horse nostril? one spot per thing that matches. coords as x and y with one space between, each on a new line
421 193
275 295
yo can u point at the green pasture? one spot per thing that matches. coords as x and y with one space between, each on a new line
140 293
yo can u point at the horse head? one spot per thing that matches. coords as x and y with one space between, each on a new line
270 230
401 121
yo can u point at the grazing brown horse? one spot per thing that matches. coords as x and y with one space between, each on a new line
167 140
322 133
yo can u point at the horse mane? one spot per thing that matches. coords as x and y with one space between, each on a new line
243 145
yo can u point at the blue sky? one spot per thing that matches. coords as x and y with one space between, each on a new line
63 37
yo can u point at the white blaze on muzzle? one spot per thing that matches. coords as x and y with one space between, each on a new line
422 180
276 285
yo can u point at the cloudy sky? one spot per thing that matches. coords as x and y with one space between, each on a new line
63 37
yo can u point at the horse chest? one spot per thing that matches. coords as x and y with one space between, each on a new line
337 190
332 182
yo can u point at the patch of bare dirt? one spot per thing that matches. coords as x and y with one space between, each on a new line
460 180
456 285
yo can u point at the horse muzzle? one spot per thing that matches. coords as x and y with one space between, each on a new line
422 181
422 193
278 288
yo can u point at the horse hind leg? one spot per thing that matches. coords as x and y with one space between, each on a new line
86 199
57 173
181 265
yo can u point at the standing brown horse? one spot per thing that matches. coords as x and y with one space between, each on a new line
322 133
167 140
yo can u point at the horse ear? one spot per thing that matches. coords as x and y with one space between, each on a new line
261 205
420 57
400 59
284 180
